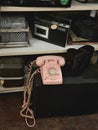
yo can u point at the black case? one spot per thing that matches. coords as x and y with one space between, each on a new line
86 27
37 3
11 71
42 29
77 95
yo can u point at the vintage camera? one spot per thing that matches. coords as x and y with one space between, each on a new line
54 30
36 3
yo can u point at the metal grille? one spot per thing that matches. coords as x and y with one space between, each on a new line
13 31
12 22
14 37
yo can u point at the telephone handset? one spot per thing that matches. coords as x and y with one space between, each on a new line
50 69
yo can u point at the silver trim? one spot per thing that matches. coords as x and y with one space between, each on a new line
11 78
41 27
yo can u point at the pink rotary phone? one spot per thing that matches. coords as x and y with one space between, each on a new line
50 69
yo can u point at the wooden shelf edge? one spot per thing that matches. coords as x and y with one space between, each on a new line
74 7
36 47
11 89
35 50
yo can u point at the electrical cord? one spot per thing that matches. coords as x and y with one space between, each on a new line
26 112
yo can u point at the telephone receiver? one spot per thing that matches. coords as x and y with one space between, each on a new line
50 68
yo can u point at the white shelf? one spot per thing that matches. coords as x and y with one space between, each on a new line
39 47
74 7
11 89
36 47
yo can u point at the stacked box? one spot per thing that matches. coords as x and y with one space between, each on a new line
11 71
13 31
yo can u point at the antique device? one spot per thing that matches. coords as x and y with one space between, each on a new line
36 3
52 29
13 31
50 69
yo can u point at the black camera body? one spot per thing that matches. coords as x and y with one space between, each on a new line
53 30
38 3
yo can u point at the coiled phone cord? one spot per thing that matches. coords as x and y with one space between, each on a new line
26 112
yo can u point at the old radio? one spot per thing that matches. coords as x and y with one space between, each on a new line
54 29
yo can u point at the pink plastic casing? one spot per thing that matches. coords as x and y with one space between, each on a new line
50 69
